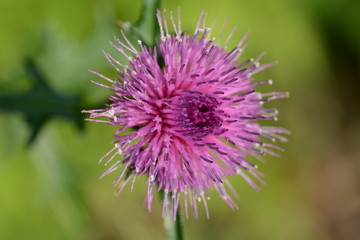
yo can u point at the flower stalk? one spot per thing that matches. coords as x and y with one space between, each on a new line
174 227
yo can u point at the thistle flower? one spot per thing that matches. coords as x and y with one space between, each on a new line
194 113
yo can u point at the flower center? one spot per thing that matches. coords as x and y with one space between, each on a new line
199 115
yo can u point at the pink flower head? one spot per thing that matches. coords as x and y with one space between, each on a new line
195 116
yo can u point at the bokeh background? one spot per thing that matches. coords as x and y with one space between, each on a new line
49 187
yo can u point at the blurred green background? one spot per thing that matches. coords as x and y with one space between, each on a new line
50 188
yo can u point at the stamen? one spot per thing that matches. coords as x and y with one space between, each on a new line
263 83
111 60
230 141
102 76
228 71
213 81
120 49
244 38
222 30
173 23
208 71
200 83
212 25
194 75
230 81
204 21
128 42
221 152
206 159
231 121
102 85
182 67
158 15
230 35
165 24
179 22
199 21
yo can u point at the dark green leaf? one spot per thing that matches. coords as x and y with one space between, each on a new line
41 103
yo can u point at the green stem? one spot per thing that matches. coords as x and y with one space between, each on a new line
173 227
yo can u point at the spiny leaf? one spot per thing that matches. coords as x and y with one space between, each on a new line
41 103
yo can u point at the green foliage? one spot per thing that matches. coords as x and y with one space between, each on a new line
41 103
146 27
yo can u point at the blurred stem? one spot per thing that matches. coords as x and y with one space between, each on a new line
146 28
173 227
